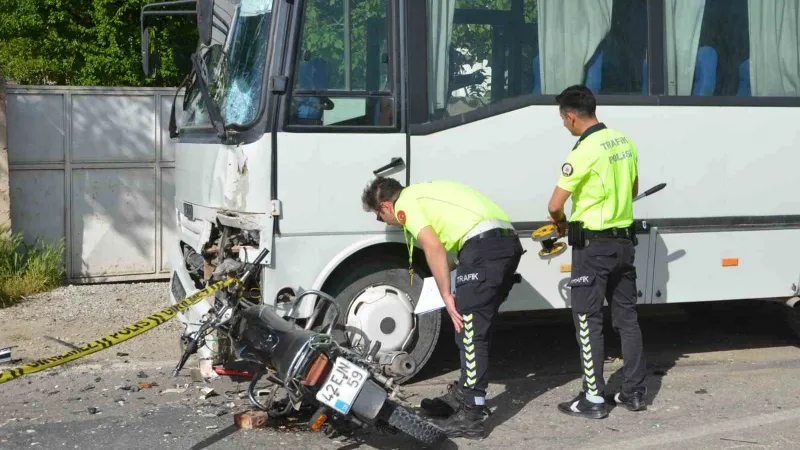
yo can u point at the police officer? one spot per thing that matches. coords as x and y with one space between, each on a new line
601 174
444 216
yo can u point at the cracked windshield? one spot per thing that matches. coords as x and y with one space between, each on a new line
235 61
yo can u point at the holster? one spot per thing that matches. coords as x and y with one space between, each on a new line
576 237
634 238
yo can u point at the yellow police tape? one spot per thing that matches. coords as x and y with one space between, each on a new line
122 335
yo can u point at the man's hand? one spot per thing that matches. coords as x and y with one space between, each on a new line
436 256
556 209
561 225
450 304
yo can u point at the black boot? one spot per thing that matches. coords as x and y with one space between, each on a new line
580 406
634 402
444 405
467 422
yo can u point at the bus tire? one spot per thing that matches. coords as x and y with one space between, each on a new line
377 273
793 319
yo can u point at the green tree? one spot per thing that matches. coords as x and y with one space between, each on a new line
90 43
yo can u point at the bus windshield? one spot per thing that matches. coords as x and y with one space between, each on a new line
235 66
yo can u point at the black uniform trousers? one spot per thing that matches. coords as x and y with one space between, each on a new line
484 277
604 269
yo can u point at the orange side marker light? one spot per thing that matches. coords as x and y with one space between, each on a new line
318 423
730 262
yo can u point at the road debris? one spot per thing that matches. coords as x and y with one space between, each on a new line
250 419
62 342
740 441
174 391
207 392
5 354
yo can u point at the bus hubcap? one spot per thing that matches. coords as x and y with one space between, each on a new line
380 313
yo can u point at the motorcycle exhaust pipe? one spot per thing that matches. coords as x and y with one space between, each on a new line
402 365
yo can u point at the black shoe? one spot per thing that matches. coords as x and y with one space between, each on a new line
466 422
447 404
634 402
580 406
444 405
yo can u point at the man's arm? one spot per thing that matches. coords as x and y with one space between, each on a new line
556 208
573 173
436 256
636 186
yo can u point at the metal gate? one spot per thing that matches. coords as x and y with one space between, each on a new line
94 166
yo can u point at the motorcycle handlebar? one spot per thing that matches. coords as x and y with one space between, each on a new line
261 255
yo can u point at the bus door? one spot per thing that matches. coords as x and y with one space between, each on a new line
340 119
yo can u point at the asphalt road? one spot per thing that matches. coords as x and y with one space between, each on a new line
718 379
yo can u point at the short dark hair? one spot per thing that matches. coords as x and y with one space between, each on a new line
578 99
380 190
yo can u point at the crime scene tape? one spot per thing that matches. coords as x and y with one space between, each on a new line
142 326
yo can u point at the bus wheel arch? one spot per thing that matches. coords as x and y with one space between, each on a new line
378 276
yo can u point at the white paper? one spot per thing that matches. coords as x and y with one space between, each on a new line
430 299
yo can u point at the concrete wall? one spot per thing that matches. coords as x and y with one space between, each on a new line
5 205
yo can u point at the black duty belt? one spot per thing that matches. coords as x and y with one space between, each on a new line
621 233
495 232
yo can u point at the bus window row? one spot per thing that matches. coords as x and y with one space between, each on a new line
482 51
479 52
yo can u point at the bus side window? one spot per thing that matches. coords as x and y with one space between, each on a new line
482 52
712 50
343 75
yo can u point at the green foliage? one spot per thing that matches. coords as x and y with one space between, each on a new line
27 269
89 43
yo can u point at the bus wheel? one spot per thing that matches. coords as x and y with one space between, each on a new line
793 318
377 304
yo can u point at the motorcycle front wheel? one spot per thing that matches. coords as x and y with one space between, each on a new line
411 424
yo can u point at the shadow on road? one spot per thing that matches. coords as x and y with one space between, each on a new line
215 438
535 352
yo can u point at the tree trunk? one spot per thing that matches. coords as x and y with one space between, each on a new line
5 200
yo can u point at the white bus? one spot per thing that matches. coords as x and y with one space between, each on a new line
308 100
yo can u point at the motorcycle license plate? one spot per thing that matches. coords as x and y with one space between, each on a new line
342 386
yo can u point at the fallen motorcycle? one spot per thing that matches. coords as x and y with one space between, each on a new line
347 387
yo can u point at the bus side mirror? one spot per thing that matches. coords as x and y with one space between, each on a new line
205 20
149 62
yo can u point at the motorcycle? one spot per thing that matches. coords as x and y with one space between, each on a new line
347 387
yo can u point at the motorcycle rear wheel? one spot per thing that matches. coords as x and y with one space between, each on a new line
411 424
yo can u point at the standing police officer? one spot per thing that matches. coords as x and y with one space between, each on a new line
601 174
445 216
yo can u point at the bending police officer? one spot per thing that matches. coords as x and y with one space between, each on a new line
601 175
445 216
